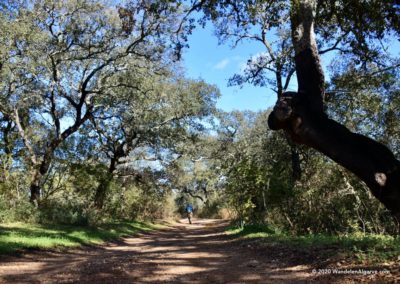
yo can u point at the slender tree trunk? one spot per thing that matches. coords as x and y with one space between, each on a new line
37 175
302 116
8 145
105 182
39 171
295 157
35 186
295 160
121 150
102 190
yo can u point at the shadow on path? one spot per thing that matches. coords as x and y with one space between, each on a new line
197 253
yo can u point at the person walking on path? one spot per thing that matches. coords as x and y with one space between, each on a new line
189 212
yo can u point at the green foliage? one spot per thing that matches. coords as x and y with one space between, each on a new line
63 210
371 247
95 112
330 200
17 236
250 231
88 95
215 206
327 199
14 205
138 202
363 91
246 190
20 210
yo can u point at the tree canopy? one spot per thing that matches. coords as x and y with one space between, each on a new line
97 116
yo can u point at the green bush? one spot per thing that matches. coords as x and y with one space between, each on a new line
20 210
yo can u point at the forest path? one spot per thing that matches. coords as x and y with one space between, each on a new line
182 253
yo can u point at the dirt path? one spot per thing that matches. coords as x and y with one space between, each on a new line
197 253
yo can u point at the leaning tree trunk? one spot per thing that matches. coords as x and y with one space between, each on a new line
302 116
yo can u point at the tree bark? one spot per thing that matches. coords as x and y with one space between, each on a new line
302 116
41 165
295 157
119 150
101 191
35 187
6 130
295 160
103 188
37 174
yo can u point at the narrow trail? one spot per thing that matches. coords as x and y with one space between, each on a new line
197 253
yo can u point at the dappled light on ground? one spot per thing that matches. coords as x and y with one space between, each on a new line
182 253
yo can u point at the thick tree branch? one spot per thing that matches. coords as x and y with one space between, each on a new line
301 115
24 137
309 72
288 78
186 190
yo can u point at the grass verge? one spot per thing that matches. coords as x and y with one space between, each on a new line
363 247
17 236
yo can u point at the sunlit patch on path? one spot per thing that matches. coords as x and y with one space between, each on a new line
182 253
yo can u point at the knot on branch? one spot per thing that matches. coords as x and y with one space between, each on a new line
283 111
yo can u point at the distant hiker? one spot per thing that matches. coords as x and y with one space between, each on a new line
189 212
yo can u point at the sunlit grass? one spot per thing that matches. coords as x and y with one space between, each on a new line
373 247
17 236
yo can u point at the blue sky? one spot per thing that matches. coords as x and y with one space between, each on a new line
217 63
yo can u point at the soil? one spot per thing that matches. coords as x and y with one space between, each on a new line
183 253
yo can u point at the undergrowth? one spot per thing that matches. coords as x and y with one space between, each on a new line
362 247
17 236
